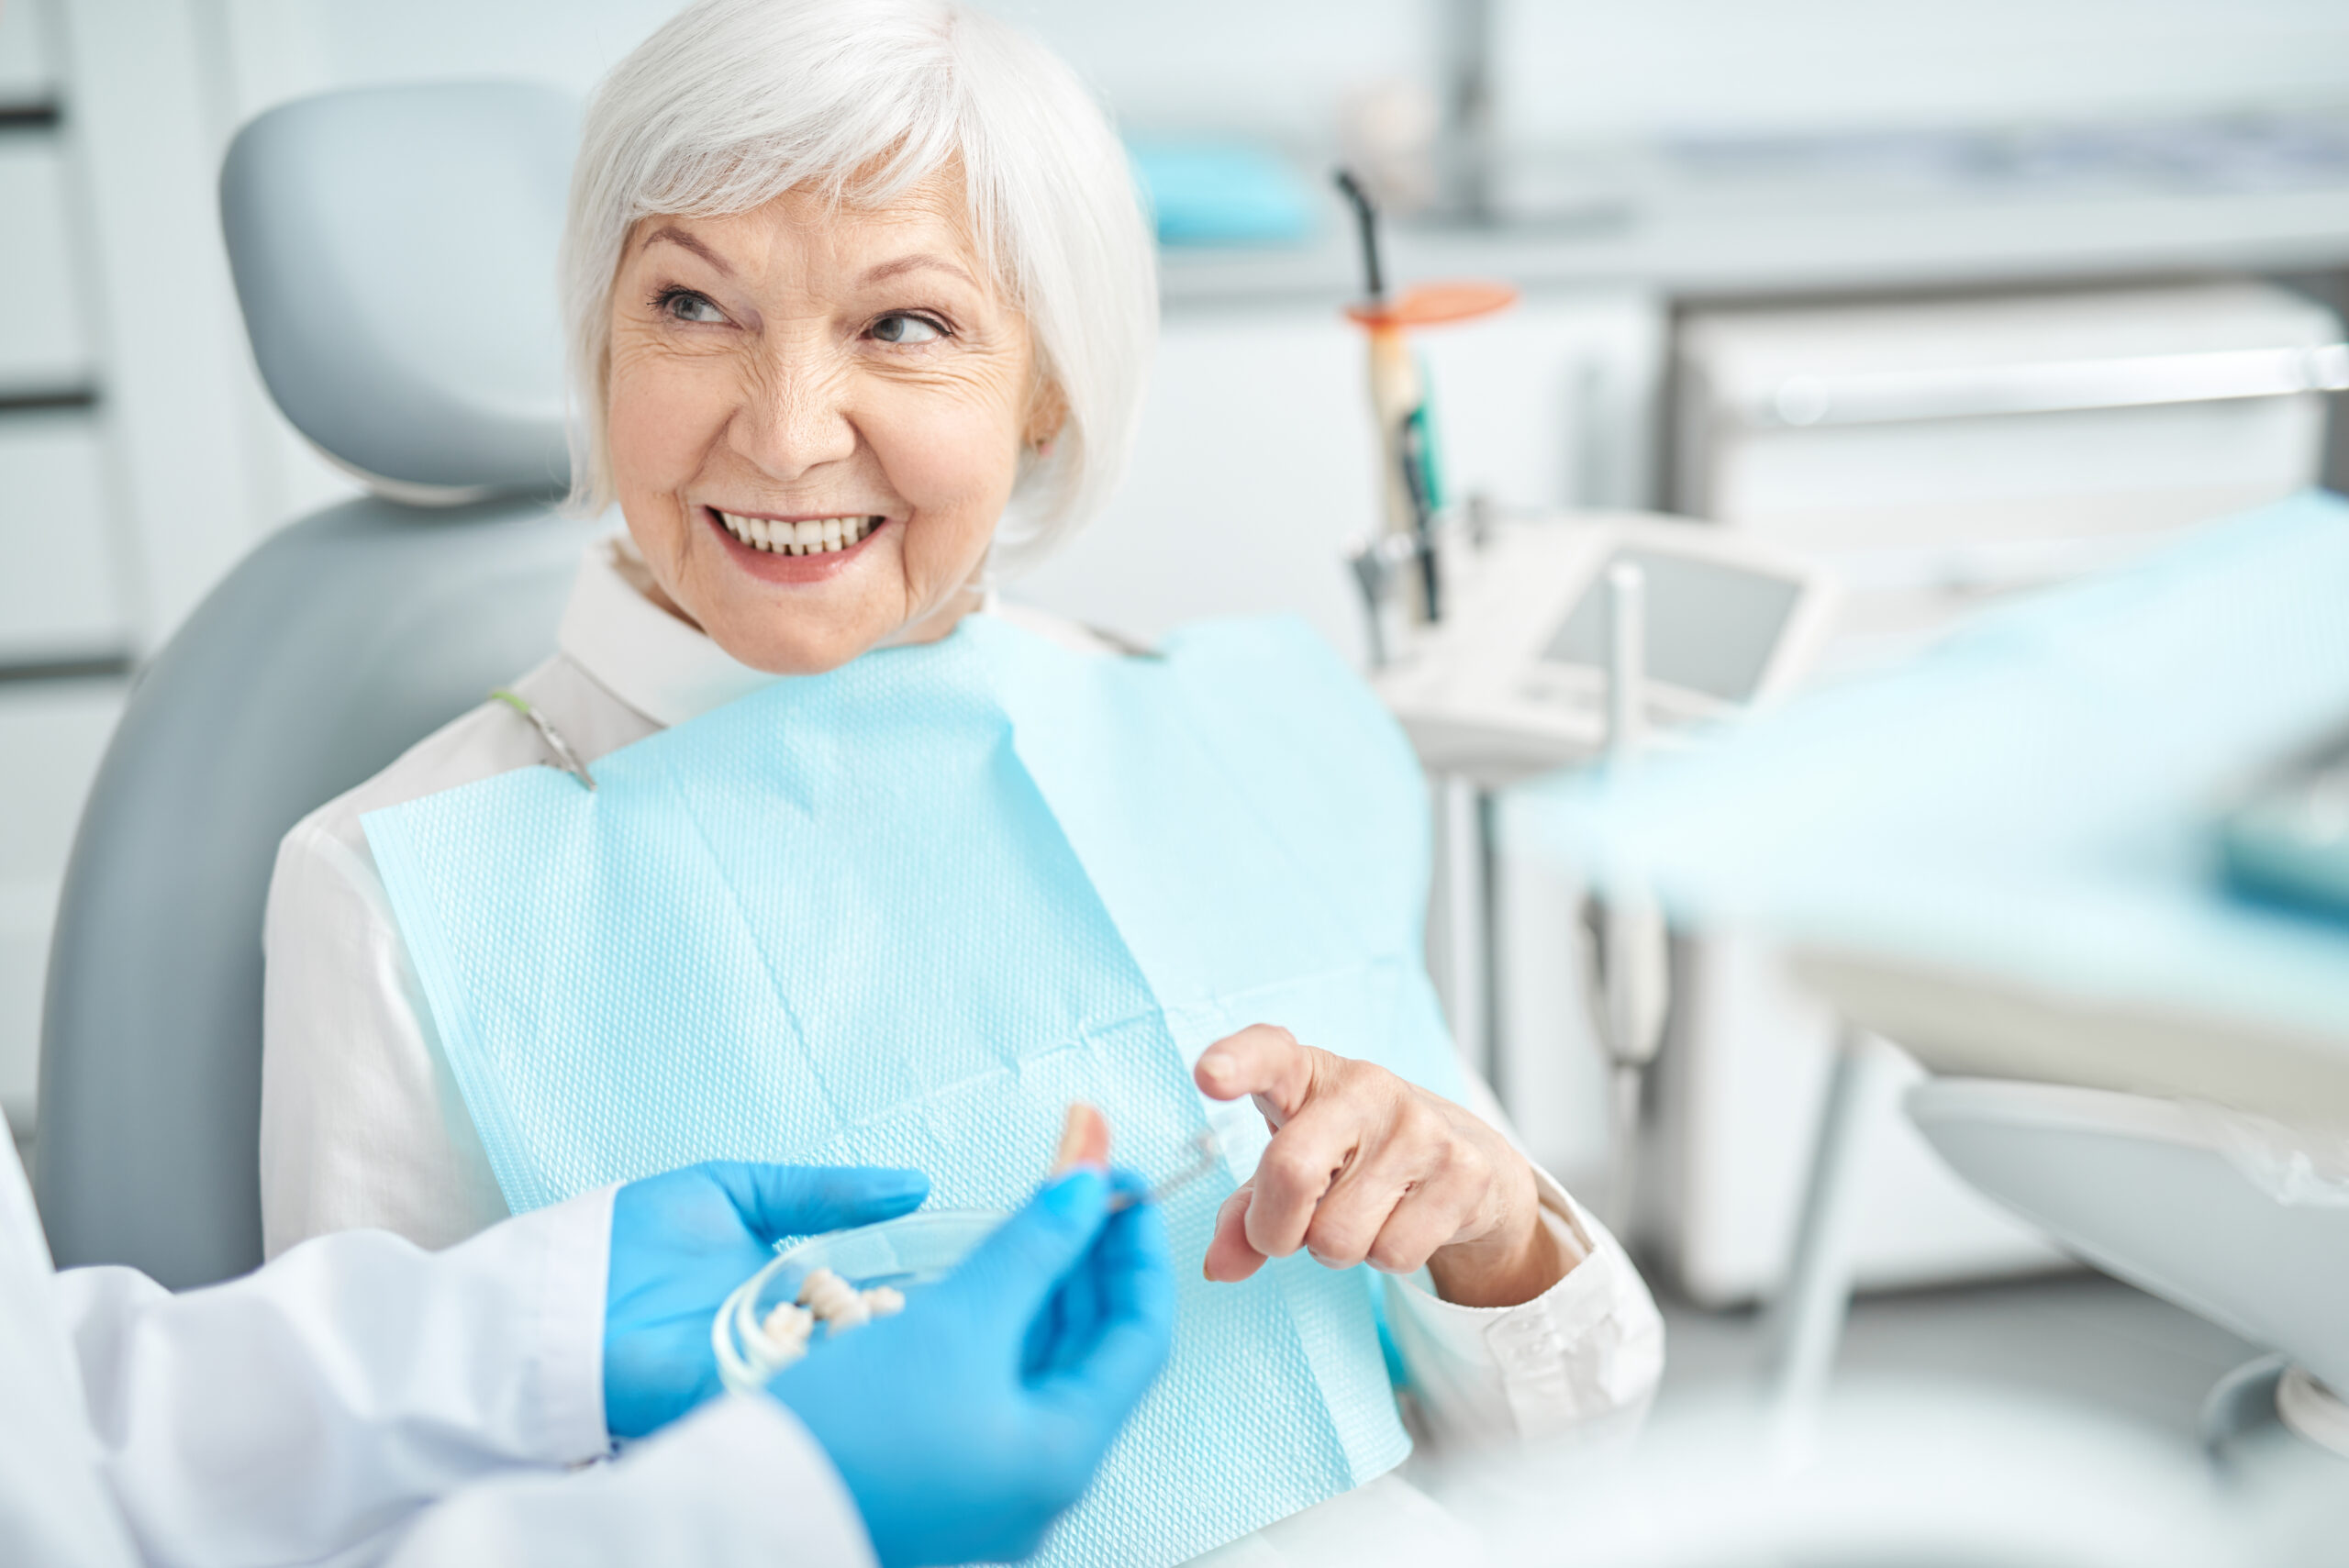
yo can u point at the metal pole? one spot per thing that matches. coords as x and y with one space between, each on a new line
1488 883
1467 944
1810 1313
1625 1085
1630 928
1627 653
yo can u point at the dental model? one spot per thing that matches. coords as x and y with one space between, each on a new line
825 1298
788 1330
834 1301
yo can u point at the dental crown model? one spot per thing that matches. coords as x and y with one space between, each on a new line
825 1298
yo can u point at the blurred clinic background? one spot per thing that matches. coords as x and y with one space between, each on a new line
1718 213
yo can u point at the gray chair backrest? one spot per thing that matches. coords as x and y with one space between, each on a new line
394 254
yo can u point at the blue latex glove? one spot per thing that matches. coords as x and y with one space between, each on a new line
681 1241
964 1425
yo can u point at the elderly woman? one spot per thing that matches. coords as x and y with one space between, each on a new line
861 300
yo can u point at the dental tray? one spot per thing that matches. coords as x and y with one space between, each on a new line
905 1254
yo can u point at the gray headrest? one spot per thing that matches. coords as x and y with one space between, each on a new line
393 250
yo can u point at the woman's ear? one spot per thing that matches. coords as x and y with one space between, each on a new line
1047 413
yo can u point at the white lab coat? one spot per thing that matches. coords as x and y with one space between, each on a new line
363 1401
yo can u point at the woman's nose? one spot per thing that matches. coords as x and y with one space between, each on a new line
797 421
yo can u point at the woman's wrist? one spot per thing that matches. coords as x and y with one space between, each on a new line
1507 1269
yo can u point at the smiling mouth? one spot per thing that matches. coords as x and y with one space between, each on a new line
811 535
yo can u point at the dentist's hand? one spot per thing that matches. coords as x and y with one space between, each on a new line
681 1242
1364 1167
964 1425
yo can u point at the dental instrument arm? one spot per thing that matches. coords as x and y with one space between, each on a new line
1398 404
1633 947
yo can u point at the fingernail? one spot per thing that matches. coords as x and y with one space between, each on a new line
1085 1139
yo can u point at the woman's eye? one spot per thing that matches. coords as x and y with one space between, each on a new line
907 329
686 306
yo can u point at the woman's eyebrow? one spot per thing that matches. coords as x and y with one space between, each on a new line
676 236
887 270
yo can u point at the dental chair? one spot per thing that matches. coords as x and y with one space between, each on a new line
394 253
2209 1208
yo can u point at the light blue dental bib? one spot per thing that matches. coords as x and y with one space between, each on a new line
902 914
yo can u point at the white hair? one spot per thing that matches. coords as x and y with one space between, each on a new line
734 102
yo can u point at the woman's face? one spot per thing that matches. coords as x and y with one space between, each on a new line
803 363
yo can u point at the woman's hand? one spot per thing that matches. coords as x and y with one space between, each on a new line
1365 1167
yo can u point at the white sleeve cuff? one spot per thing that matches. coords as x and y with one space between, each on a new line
739 1483
565 1402
826 1526
1591 1345
749 1455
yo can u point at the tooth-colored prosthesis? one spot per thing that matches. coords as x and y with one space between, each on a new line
787 1330
839 1306
824 1297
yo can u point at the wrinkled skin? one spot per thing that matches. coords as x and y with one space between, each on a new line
808 359
1364 1167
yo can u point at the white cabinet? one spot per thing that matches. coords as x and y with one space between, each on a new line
27 69
60 599
1739 1094
1935 451
45 298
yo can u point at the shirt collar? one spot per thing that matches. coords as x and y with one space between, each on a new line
665 670
641 654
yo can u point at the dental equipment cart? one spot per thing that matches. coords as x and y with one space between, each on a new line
1515 680
1566 638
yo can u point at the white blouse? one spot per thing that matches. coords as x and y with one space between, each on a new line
363 1126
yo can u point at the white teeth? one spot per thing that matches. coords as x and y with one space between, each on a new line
817 535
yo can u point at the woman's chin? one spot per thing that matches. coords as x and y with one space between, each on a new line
807 651
803 629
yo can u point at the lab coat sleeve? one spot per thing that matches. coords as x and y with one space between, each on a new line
300 1411
739 1482
1585 1354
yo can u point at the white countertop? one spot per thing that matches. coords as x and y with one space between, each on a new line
1785 237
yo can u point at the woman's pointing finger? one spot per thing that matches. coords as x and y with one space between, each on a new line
1267 1061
